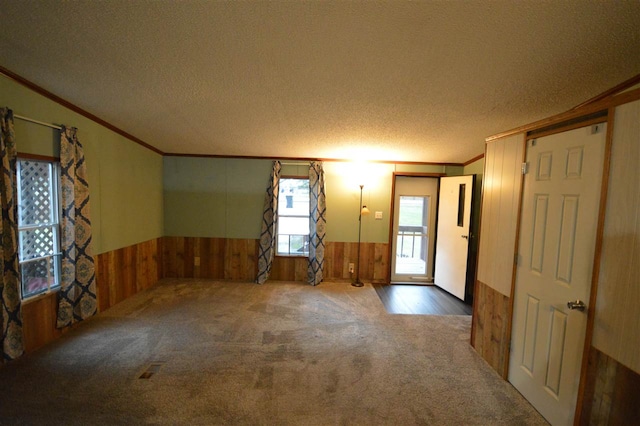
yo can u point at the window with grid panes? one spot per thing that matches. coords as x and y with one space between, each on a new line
293 217
38 226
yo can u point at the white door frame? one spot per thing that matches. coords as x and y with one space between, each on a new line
393 213
598 248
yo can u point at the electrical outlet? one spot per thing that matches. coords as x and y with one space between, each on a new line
351 268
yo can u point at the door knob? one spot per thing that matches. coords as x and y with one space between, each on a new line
466 237
578 304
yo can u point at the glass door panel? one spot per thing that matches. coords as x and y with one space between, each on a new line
412 236
414 204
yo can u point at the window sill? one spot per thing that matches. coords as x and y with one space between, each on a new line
40 296
304 256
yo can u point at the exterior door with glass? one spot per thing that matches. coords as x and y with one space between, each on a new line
413 229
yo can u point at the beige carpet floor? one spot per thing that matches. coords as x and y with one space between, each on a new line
278 354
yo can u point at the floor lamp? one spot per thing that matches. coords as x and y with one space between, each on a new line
363 211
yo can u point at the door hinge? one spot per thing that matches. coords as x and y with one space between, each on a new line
525 168
516 259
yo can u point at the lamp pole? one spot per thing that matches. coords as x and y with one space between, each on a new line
357 282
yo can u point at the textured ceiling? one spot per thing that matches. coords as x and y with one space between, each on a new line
404 81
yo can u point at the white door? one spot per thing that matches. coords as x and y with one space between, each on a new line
413 224
560 204
454 221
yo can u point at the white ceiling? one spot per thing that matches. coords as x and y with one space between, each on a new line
405 81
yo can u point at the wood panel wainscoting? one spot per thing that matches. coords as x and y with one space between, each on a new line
337 256
39 321
611 392
124 272
491 316
374 261
215 258
119 274
237 259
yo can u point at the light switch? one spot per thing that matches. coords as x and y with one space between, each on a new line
378 215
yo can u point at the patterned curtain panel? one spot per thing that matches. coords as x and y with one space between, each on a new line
268 235
77 296
317 222
11 338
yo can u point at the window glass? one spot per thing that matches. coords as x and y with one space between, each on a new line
412 238
293 217
38 226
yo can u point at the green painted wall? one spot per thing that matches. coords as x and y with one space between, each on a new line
125 178
223 198
214 197
477 168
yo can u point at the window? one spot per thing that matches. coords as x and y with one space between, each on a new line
293 217
38 226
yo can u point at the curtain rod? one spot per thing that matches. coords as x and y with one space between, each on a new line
31 120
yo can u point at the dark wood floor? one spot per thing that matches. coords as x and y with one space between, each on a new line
420 300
